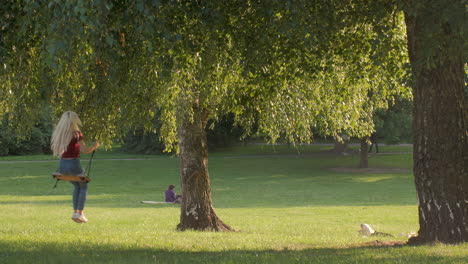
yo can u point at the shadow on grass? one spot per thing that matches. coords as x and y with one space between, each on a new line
236 183
30 252
274 192
129 202
132 201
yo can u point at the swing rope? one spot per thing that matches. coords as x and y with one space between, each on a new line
88 168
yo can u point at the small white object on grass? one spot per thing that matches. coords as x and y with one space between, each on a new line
154 202
366 230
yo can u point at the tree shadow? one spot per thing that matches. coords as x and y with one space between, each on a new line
274 191
82 252
236 183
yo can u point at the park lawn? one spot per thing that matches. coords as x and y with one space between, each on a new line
240 150
287 208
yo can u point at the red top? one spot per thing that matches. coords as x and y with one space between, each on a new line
73 149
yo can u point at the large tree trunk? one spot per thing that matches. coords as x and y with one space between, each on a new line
440 124
364 161
196 211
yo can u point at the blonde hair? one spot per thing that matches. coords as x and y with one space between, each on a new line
63 133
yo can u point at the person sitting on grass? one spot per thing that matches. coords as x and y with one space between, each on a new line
171 196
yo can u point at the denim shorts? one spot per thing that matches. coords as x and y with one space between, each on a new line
70 167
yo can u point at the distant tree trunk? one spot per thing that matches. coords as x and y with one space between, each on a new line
341 146
364 161
440 123
197 212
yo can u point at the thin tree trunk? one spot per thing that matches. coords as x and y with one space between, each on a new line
197 212
364 161
341 146
440 124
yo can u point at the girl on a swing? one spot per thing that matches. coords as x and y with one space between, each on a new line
66 143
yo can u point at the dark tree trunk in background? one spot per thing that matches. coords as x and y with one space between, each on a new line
364 161
440 123
341 146
197 212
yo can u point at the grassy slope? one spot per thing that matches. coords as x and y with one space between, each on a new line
288 208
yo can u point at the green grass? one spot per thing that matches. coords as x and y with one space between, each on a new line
288 208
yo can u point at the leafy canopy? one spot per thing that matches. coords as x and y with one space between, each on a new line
283 68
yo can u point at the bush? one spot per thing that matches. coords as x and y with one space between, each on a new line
223 134
36 141
395 124
139 142
5 142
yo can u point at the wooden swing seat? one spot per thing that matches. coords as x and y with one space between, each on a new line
73 178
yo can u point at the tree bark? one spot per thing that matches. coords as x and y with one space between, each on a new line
197 212
364 161
440 125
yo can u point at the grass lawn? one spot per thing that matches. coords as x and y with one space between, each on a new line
288 208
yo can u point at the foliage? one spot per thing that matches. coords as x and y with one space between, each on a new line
141 142
12 145
34 141
394 124
220 134
280 70
223 133
144 141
